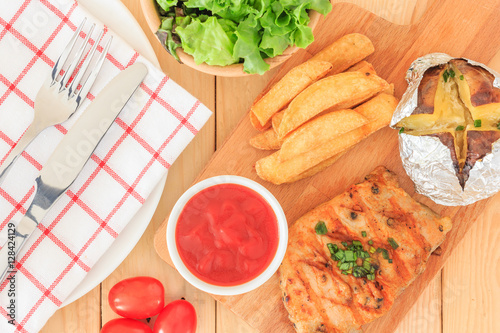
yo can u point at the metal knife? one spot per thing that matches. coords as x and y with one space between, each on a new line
67 161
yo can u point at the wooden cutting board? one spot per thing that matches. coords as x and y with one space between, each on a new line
459 28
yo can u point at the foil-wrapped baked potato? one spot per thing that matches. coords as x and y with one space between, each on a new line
457 103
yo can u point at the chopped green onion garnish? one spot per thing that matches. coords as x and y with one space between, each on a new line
349 256
393 243
370 277
459 128
354 259
446 75
461 77
390 261
477 123
498 126
321 228
452 73
363 255
401 130
370 242
345 266
385 254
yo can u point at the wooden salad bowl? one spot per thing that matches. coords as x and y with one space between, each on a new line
153 20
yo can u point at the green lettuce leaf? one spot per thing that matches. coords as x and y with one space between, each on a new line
229 9
275 22
207 42
166 4
301 14
274 45
303 36
321 6
183 21
247 46
164 33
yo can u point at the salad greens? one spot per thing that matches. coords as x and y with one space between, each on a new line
225 32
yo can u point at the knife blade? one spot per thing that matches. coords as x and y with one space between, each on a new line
69 158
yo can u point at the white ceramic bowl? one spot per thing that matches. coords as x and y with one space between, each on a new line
252 284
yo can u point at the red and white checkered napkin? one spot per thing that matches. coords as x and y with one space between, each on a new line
147 137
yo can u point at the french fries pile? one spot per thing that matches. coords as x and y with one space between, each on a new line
319 110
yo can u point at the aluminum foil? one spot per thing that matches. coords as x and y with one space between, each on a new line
428 162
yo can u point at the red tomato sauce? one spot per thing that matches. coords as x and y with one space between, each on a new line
227 234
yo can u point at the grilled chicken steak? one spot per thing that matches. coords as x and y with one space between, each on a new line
348 259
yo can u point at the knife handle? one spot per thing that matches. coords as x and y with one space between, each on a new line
16 238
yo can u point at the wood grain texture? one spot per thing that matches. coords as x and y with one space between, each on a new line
395 11
465 301
425 315
397 46
471 284
81 316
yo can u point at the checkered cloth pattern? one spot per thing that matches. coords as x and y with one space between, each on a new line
146 138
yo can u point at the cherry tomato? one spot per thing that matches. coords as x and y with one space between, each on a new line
177 317
125 325
137 298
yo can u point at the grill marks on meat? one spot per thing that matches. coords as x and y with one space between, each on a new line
319 298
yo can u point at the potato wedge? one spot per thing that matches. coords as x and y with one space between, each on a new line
345 52
363 67
271 168
276 120
389 90
341 91
317 168
319 131
267 140
256 124
378 110
280 94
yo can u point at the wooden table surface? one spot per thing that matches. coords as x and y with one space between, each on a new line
463 297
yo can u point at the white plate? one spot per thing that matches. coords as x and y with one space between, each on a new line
117 17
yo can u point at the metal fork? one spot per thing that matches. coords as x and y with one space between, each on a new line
57 100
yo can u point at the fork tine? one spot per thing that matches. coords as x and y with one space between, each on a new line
64 55
76 81
93 74
76 60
